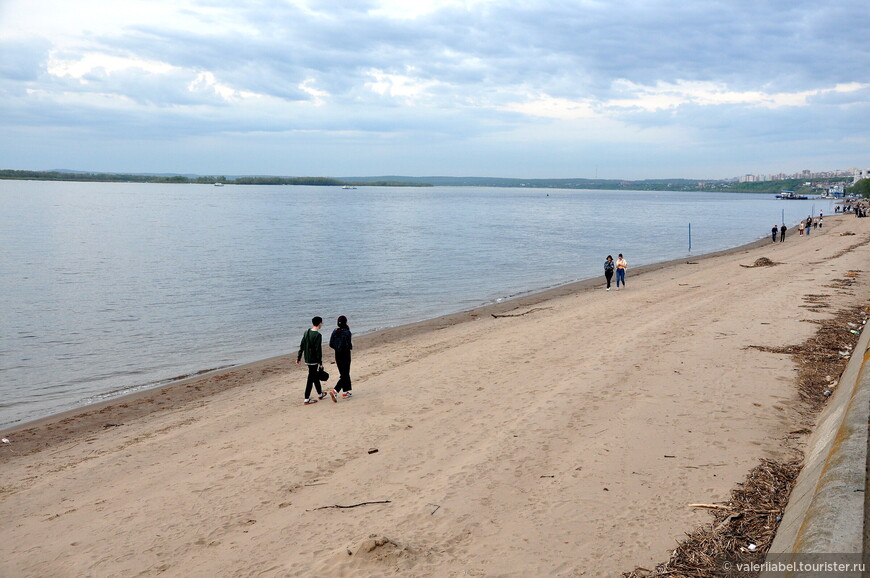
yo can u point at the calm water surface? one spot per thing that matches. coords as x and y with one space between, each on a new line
112 287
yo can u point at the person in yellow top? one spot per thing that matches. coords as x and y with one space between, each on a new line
621 266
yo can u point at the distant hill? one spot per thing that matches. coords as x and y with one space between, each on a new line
569 183
797 185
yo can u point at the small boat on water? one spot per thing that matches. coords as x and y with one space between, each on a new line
791 196
218 184
348 187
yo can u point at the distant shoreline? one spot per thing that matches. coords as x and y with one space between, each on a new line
675 185
84 177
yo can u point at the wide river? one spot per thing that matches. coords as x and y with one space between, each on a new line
108 288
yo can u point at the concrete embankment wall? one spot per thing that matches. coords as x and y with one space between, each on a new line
826 511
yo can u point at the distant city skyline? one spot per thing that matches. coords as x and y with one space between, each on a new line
803 174
624 90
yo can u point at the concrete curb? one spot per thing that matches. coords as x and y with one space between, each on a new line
825 513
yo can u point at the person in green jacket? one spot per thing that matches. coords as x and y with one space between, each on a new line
310 347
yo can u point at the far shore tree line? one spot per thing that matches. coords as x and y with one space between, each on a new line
20 175
801 186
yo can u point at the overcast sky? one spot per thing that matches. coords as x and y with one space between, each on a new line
522 88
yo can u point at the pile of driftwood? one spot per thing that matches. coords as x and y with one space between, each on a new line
741 531
744 527
823 357
761 262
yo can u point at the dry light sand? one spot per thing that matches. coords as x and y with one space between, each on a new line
566 440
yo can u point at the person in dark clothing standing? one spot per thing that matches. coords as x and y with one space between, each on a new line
782 231
608 270
340 341
773 232
310 347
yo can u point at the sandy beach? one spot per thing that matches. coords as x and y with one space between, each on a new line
559 434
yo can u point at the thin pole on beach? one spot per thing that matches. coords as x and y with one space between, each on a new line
783 216
690 237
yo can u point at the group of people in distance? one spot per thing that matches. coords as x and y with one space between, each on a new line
802 226
859 209
620 266
310 348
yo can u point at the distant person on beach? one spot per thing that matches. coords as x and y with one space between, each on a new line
801 226
773 233
310 348
782 231
809 227
340 341
608 270
621 266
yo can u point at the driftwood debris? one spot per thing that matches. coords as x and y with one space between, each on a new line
761 262
751 515
352 505
710 506
520 314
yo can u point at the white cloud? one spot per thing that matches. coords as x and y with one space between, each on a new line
550 107
667 95
206 82
405 87
88 63
319 96
409 10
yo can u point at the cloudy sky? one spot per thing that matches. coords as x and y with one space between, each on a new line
516 88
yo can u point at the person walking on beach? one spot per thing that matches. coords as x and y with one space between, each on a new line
801 226
782 231
340 341
621 266
310 348
773 232
608 270
809 227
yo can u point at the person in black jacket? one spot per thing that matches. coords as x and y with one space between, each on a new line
340 341
310 347
608 270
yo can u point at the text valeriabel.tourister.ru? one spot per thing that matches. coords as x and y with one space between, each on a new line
793 567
